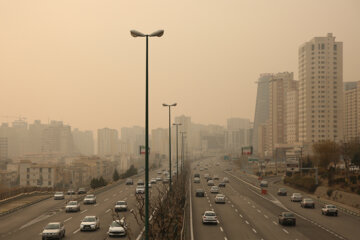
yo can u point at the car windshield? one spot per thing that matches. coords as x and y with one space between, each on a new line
288 214
90 196
121 203
72 203
297 194
53 226
89 219
331 206
210 214
220 195
282 190
115 224
58 193
199 190
308 200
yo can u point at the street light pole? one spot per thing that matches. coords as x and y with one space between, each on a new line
182 150
177 151
158 33
170 105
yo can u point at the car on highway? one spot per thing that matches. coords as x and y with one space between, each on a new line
117 229
90 223
307 202
70 192
296 197
196 180
89 199
140 190
59 196
129 181
287 218
329 209
264 183
217 164
216 177
210 183
220 198
196 175
214 189
229 169
140 182
153 181
225 179
158 179
200 192
206 175
72 206
282 192
82 191
53 230
166 180
209 217
121 206
222 184
201 169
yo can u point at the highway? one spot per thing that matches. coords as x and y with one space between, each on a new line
249 215
29 222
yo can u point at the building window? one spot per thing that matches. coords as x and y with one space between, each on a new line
335 47
49 183
28 170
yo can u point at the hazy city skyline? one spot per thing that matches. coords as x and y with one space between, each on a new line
76 61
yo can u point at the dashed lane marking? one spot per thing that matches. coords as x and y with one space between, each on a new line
266 216
221 229
240 215
285 231
83 211
67 219
247 222
254 230
76 231
275 223
106 199
108 210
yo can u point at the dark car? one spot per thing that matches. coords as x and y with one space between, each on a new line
196 175
81 191
307 202
287 218
282 192
200 193
70 192
222 184
53 230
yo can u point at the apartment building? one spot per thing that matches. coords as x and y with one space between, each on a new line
38 175
351 110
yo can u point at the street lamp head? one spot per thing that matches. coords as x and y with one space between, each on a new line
165 105
158 33
173 105
178 124
135 33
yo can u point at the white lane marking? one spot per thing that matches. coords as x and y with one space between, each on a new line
232 205
83 211
243 181
108 210
266 216
275 223
210 205
240 215
225 238
106 199
259 211
77 230
236 210
285 231
95 205
254 230
67 219
253 206
121 191
221 229
114 194
247 222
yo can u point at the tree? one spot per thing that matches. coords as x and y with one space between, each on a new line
326 153
351 153
116 176
130 172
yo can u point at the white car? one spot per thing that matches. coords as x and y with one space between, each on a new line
296 197
90 199
196 180
220 198
140 190
59 196
153 181
209 217
158 179
90 223
329 209
53 230
210 183
117 228
214 189
72 206
149 185
225 179
121 206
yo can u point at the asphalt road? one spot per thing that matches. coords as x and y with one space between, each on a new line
249 215
29 222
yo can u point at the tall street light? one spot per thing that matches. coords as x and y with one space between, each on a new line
158 33
177 150
182 150
169 105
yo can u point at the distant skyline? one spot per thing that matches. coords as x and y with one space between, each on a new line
75 61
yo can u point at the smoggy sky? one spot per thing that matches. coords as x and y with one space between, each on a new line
75 61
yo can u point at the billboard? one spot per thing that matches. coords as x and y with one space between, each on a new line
247 150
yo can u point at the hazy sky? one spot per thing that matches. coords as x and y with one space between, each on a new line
74 60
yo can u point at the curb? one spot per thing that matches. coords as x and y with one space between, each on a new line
23 206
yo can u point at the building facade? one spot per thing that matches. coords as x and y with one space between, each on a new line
352 110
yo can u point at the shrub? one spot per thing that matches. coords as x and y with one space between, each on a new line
353 179
358 191
329 192
339 180
305 183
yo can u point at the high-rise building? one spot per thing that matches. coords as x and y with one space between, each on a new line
83 142
352 110
57 138
292 114
321 90
108 142
160 141
279 85
237 134
262 106
3 149
133 138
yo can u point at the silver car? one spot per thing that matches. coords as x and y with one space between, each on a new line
90 223
59 196
72 206
220 198
117 228
121 206
90 199
209 217
53 230
296 197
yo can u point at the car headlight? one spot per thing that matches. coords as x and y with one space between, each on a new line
92 225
